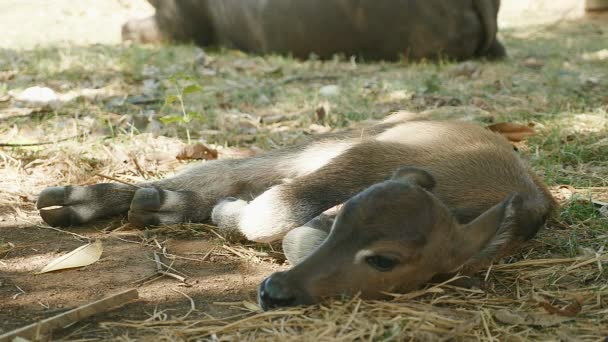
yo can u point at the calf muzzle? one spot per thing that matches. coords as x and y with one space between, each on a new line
277 291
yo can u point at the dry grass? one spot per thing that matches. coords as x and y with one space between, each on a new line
555 288
519 305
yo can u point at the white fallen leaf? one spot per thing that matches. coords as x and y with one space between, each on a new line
81 256
251 306
38 97
330 90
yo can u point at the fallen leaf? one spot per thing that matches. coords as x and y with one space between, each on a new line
566 191
533 63
322 111
81 256
330 90
466 69
513 132
7 75
569 310
35 97
251 306
197 151
529 318
586 251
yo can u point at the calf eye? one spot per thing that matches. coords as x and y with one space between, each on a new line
381 263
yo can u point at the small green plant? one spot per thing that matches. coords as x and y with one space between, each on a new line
432 84
184 117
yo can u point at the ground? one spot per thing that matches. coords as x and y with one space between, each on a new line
120 115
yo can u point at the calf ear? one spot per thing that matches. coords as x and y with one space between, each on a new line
414 175
479 241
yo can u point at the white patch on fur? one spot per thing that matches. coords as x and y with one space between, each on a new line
85 212
170 218
79 194
316 156
362 254
173 200
266 218
225 212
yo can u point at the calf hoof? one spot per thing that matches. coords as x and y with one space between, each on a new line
156 207
60 217
65 206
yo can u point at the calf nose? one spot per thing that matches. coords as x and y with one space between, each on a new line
275 292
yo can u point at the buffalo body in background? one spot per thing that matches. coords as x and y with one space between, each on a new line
372 29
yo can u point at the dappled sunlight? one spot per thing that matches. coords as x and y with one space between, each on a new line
126 262
82 22
525 13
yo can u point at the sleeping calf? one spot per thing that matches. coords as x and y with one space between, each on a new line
418 199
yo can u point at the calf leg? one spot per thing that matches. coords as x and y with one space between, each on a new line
187 197
300 242
287 206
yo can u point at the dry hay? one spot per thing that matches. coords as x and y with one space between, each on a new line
532 298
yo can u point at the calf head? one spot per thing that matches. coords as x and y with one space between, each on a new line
392 237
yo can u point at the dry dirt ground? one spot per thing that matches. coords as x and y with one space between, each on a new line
122 118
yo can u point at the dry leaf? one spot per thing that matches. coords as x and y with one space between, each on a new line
533 63
569 310
251 306
197 151
566 191
81 256
513 132
529 318
322 111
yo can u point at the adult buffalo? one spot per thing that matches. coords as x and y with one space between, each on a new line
372 29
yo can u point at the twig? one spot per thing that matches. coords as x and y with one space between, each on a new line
82 237
351 318
117 180
138 167
149 279
235 252
112 230
18 294
173 275
34 331
159 266
192 307
208 254
170 267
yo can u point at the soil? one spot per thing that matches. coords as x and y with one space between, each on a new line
26 297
